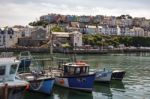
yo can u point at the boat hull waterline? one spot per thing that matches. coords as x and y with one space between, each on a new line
42 86
103 76
84 83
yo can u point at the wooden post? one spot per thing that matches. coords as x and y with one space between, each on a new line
5 91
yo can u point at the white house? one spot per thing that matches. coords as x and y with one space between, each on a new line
27 31
91 29
7 37
18 33
110 30
124 31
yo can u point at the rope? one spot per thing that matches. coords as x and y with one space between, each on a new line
40 85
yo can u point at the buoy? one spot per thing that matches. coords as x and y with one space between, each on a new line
27 87
61 81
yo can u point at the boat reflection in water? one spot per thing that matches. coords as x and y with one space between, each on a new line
35 95
61 93
104 90
16 94
117 85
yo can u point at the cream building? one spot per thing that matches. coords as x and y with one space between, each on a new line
136 31
76 38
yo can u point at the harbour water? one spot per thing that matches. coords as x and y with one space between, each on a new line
135 85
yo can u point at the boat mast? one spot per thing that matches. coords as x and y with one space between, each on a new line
50 37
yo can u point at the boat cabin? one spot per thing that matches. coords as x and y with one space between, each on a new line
25 55
8 69
76 68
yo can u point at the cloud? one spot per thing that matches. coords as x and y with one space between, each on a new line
88 3
24 11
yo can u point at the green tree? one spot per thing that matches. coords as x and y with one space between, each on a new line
57 29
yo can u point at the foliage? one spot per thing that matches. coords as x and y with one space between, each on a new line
124 17
105 40
38 23
66 45
57 29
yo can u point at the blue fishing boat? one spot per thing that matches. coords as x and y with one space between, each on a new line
75 75
39 82
43 85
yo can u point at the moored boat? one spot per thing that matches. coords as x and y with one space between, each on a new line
75 75
9 85
103 75
118 74
39 82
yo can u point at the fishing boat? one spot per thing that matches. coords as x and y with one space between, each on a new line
25 59
10 86
103 75
75 75
118 74
39 82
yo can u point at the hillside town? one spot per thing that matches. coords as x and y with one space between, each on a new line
123 25
68 30
75 49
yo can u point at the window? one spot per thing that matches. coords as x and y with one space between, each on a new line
13 69
65 69
10 37
84 69
38 36
2 70
71 70
77 70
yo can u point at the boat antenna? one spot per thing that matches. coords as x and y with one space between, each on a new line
74 53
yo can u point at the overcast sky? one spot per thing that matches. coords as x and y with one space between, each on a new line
21 12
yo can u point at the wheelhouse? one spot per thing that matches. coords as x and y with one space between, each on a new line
8 69
76 68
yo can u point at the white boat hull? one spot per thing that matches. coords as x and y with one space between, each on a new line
103 76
